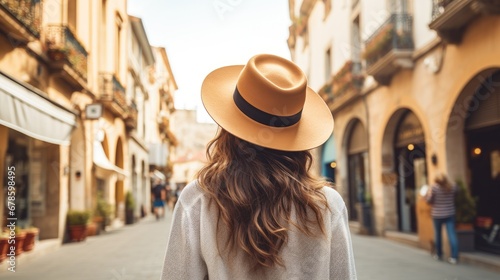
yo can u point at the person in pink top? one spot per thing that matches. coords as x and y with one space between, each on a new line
255 211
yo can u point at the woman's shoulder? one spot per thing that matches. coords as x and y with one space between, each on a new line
335 200
191 194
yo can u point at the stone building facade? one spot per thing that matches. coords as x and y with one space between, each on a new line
414 88
66 121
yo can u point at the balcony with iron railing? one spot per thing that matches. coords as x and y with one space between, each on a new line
21 17
112 94
64 49
451 17
390 48
345 85
131 119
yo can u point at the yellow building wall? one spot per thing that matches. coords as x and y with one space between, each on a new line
431 97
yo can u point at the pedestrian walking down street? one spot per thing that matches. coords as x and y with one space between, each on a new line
442 198
255 211
158 194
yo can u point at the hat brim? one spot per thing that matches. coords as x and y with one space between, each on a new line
313 129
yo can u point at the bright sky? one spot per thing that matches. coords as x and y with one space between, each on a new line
202 35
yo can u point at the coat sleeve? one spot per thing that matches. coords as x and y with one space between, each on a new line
183 258
342 255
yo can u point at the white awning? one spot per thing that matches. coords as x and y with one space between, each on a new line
104 167
24 110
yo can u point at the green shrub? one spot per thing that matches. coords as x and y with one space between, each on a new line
77 218
465 204
129 201
103 208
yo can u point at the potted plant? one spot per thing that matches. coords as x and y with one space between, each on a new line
465 206
31 236
129 208
4 245
19 240
77 224
102 213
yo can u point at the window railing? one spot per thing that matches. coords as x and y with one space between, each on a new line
61 43
395 33
111 89
438 7
348 78
131 120
27 12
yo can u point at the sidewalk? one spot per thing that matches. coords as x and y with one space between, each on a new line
382 259
130 252
477 258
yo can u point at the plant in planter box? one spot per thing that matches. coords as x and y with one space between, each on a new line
4 245
129 208
465 207
102 213
31 236
19 240
77 224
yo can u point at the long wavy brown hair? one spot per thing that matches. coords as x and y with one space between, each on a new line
255 190
442 180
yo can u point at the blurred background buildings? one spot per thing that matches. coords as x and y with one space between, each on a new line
85 106
414 88
87 110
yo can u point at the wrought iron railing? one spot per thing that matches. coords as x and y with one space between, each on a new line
27 12
438 7
349 78
111 89
396 33
131 120
61 43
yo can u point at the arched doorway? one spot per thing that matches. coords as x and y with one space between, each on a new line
404 165
482 128
409 147
357 164
119 192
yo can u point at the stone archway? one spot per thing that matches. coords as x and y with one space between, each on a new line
404 170
473 151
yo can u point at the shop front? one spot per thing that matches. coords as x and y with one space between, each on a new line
35 135
482 133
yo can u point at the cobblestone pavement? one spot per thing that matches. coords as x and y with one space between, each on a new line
137 251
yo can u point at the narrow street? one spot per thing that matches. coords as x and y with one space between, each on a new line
136 252
131 252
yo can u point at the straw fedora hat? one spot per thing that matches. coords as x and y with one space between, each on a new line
267 102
